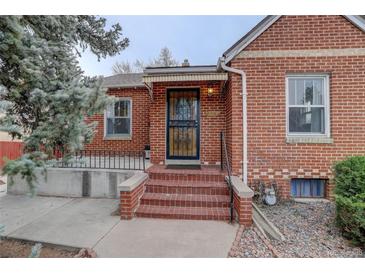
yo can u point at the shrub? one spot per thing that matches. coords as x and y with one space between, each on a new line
350 198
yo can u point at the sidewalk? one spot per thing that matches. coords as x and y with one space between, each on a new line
85 222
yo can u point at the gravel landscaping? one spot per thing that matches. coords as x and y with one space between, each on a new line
249 245
309 231
20 249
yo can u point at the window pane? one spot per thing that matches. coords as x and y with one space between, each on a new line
318 87
306 119
110 111
308 92
307 187
299 100
121 108
121 126
291 91
109 126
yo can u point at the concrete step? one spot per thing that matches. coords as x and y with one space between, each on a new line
187 187
185 200
187 213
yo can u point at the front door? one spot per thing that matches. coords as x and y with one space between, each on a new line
183 124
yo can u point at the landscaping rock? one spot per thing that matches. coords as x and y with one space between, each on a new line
309 229
86 253
250 245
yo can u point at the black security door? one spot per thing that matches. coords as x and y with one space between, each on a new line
183 124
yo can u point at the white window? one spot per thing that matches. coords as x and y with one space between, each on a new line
118 119
307 103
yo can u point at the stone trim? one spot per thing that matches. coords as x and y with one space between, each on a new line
133 182
241 189
302 53
308 140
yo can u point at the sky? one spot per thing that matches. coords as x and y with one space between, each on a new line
200 39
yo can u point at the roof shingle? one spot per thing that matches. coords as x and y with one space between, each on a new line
123 80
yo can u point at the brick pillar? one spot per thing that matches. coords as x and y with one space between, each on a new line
242 201
131 192
243 208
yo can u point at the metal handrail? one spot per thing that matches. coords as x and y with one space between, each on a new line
102 159
225 161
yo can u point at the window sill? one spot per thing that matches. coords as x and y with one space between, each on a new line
127 137
308 140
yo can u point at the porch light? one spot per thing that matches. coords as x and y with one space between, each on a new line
210 91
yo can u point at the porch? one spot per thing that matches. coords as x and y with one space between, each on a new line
187 114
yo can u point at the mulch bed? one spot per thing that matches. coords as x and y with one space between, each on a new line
309 230
20 249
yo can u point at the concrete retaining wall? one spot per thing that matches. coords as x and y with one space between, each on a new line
74 182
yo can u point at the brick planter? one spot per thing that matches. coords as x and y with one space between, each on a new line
131 191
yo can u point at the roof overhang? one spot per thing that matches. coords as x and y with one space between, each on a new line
216 76
262 26
123 86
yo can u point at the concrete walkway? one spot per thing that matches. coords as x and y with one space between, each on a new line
84 222
158 238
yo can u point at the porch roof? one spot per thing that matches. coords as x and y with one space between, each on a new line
188 73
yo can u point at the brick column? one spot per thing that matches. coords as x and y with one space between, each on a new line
243 208
242 201
131 192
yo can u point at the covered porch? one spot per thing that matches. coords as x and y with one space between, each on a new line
187 114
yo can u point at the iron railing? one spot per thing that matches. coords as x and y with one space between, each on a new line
226 165
102 159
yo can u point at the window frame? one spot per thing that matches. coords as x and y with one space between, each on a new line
326 104
122 135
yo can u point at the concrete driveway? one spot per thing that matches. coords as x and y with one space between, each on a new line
81 222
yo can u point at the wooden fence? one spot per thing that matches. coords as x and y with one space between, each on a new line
10 150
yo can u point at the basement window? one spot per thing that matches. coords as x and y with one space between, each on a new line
308 188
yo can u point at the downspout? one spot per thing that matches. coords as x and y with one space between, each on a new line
244 113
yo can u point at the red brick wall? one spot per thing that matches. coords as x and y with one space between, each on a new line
140 123
212 120
130 200
270 157
309 32
243 209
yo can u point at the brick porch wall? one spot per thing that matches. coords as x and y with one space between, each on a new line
270 157
140 123
129 201
212 120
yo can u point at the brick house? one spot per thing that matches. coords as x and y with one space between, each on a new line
289 98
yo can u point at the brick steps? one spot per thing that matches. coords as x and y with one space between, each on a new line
185 200
205 174
187 213
187 187
185 194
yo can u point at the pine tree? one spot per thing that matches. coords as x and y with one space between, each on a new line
43 90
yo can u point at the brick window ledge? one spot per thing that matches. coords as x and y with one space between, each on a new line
308 140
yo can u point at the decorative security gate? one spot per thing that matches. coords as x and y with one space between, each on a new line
183 124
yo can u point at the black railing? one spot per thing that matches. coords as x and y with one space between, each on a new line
225 165
102 159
